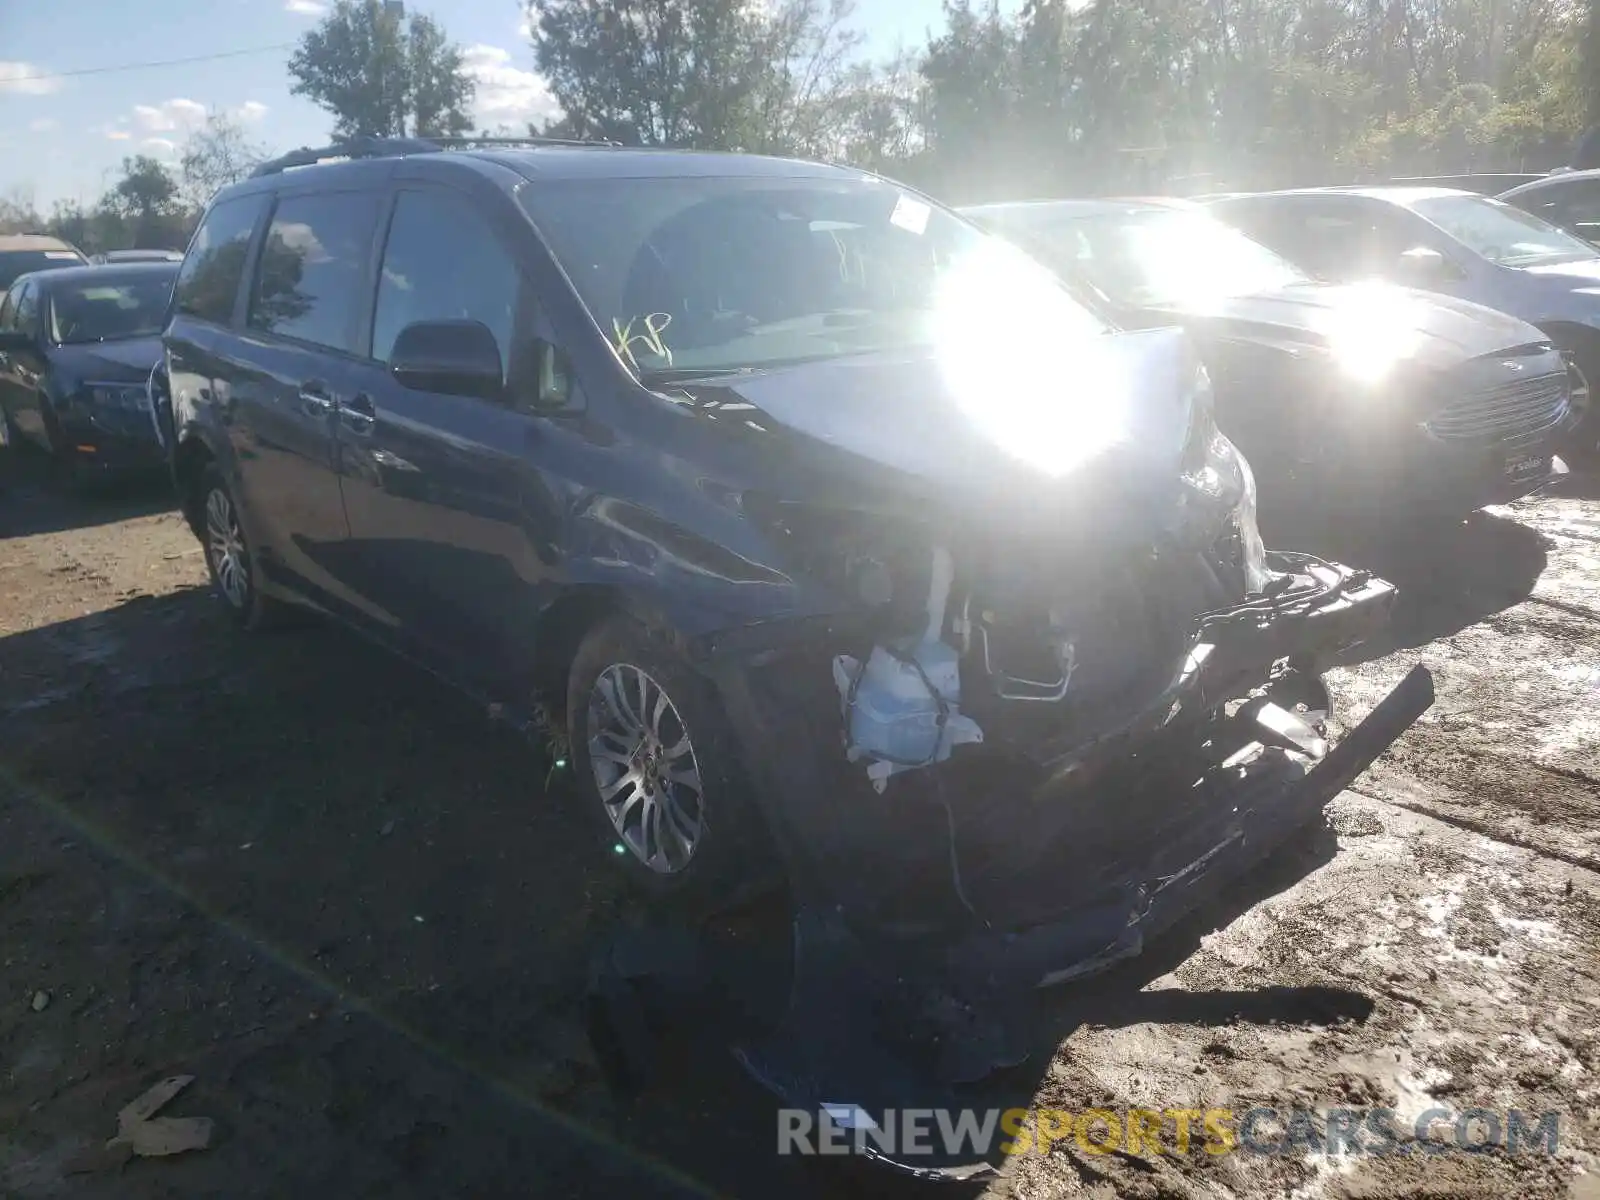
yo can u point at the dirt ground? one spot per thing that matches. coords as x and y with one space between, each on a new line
343 900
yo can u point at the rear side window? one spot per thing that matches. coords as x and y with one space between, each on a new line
211 273
443 261
309 282
14 263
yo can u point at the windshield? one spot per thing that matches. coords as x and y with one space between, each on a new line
717 274
1152 258
106 309
1502 234
16 263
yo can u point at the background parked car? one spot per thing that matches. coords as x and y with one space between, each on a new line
77 346
1390 399
1569 201
24 252
1448 241
133 256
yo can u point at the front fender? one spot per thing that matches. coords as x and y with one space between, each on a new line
698 582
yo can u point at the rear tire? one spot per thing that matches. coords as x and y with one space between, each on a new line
658 772
229 557
10 448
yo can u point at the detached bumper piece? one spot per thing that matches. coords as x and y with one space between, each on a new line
876 1026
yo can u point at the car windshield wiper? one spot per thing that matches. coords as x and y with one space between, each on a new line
654 375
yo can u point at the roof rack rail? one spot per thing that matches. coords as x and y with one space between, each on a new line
361 147
374 147
467 143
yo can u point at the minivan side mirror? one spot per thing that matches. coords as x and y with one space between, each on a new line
12 340
454 357
1424 267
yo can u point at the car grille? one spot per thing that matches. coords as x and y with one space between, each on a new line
1512 413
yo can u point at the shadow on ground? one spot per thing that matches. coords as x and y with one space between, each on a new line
1450 574
397 917
32 502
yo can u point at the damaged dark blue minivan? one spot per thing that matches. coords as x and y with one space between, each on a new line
848 547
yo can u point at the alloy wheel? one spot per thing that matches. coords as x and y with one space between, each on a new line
225 547
645 769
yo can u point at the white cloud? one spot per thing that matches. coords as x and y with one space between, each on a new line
305 8
170 116
161 128
525 30
506 94
42 125
19 77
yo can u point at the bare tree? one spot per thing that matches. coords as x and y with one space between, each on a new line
217 154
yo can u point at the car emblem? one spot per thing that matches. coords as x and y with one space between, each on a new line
1511 364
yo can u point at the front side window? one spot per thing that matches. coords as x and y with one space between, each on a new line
109 307
27 314
209 279
1500 233
718 274
312 269
443 262
1154 257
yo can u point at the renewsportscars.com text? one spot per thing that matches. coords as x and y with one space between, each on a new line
846 1129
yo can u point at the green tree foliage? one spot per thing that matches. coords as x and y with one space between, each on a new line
143 207
1212 94
720 73
1106 95
383 74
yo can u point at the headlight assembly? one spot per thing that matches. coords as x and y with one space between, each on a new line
1252 551
131 397
1218 496
873 559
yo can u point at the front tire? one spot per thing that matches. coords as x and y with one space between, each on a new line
657 769
1582 353
229 558
66 470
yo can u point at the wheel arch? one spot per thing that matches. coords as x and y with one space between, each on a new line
1572 332
189 462
563 624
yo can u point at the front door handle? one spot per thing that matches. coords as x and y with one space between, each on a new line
358 414
314 400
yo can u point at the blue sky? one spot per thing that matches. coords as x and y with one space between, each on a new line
65 137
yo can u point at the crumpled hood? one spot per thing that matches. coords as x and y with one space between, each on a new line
1448 330
1121 396
129 359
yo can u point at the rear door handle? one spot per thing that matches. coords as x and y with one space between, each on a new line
314 400
358 414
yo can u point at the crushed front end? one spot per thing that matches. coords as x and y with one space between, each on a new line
928 913
1112 728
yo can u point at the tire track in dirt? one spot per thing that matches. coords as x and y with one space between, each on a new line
1481 969
1511 747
